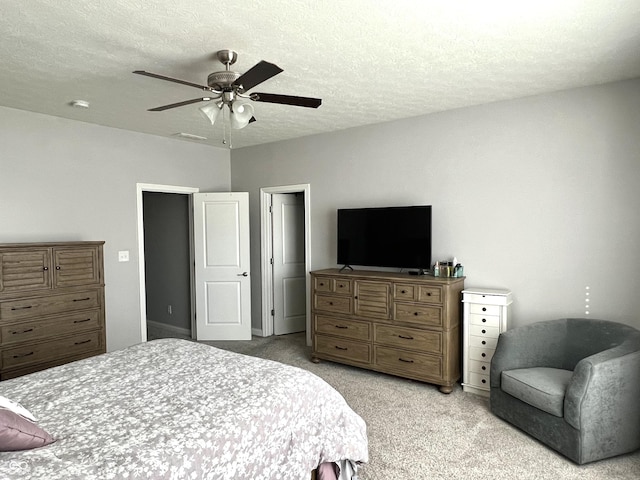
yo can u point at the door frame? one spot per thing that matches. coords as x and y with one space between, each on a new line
266 247
150 187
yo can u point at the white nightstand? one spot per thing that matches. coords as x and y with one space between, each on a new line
486 314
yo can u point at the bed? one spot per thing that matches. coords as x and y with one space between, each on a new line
173 409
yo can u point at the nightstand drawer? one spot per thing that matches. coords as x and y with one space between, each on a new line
342 348
482 342
418 314
409 338
479 380
484 309
484 331
333 303
479 367
342 328
488 320
481 354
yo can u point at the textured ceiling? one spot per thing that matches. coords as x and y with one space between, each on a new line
369 60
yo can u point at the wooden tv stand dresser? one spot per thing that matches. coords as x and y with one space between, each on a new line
395 323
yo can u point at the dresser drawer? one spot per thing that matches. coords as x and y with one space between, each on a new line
333 285
342 328
409 338
54 349
484 309
417 293
482 342
343 349
45 328
49 305
333 303
429 294
484 331
487 320
407 363
424 315
481 354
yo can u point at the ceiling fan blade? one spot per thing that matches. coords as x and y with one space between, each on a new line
169 79
179 104
257 74
287 100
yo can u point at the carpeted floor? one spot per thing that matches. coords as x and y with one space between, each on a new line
416 432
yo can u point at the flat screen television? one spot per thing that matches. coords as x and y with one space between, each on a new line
397 237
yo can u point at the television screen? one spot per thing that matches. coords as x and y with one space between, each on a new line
385 237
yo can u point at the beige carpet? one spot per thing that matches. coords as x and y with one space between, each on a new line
416 432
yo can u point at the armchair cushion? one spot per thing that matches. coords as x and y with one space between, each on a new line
540 387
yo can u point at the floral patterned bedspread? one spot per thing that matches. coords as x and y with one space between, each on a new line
174 409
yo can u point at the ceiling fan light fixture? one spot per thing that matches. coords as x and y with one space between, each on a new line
211 111
241 115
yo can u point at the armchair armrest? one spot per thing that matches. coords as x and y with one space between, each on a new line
537 345
603 393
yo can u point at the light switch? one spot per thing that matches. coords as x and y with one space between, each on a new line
123 256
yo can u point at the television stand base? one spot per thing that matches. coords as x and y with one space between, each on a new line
346 267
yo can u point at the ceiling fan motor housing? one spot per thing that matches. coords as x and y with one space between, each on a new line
222 80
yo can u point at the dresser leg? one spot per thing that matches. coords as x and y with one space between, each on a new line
315 359
446 389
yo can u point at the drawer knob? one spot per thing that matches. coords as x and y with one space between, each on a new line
81 299
341 326
321 284
484 331
403 291
330 303
428 294
405 337
340 286
484 354
484 342
341 348
45 268
84 341
82 321
484 367
484 320
415 313
484 380
57 267
405 361
484 309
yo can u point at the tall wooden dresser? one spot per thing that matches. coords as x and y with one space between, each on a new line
389 322
51 305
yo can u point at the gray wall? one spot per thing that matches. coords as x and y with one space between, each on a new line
67 180
539 195
166 258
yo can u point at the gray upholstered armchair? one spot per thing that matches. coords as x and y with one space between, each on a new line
573 383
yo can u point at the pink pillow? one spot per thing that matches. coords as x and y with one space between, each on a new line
18 433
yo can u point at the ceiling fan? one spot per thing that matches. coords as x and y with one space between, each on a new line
229 88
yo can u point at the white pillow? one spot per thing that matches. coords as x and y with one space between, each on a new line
15 407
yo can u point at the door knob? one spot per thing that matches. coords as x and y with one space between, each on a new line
243 274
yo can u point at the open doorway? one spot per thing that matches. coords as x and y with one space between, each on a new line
167 271
285 259
163 306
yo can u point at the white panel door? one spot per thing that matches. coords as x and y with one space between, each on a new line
289 282
222 280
